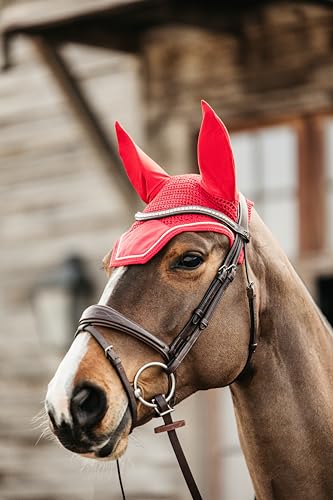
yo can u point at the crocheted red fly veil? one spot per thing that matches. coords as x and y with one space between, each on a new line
214 188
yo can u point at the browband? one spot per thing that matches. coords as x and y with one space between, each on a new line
197 209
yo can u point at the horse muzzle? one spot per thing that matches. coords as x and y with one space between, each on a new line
83 431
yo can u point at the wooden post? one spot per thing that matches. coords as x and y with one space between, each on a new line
89 121
312 213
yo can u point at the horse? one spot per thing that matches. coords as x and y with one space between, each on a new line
158 272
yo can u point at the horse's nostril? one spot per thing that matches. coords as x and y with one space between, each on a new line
88 405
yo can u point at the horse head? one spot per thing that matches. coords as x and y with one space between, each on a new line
161 278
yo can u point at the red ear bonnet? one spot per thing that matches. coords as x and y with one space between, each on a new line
215 188
145 175
215 157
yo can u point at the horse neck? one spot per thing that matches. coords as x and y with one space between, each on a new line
284 411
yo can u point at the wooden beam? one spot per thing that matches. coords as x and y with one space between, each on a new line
87 118
312 213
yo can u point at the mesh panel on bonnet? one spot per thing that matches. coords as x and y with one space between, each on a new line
145 238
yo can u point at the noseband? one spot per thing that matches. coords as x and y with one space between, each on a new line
173 354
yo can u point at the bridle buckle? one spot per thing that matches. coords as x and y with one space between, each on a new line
108 349
165 412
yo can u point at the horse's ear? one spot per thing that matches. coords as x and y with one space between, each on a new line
146 176
215 158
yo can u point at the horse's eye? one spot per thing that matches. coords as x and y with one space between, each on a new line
189 261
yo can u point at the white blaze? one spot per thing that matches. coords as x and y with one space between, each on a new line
117 273
60 388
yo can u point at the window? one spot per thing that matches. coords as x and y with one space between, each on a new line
268 175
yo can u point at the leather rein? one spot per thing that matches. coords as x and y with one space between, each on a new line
105 316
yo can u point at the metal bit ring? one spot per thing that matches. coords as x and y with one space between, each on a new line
137 390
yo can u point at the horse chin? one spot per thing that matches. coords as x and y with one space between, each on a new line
109 451
116 443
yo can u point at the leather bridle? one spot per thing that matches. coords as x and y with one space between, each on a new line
105 316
